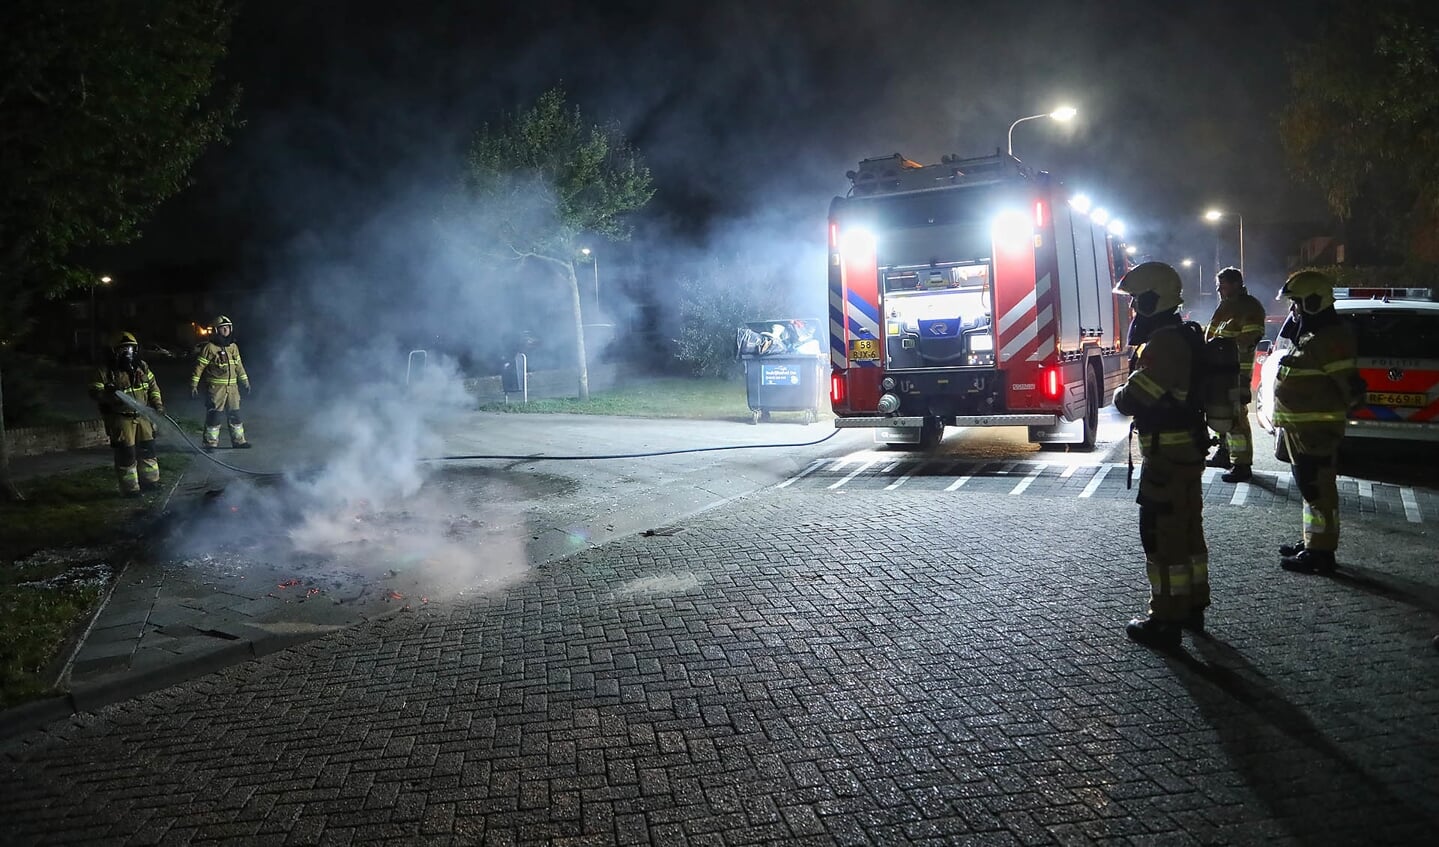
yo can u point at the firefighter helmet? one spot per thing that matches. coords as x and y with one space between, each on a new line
1153 286
223 320
124 339
1231 274
1312 290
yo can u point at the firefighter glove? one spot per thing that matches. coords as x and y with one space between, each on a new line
194 391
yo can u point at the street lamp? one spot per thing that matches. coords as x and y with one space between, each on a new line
595 259
1214 215
1063 113
1186 263
94 330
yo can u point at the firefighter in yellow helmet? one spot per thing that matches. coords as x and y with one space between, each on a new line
1241 317
1173 441
219 367
132 436
1316 385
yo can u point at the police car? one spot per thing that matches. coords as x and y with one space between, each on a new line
1397 331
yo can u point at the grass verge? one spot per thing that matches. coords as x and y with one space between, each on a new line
49 585
694 399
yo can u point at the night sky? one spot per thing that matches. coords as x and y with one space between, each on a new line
749 113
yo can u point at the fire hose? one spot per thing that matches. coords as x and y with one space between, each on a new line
156 418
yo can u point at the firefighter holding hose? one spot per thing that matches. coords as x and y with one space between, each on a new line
132 436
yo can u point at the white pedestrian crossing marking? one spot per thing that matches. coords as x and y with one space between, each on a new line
896 472
1411 505
852 474
1094 481
905 477
813 466
1028 479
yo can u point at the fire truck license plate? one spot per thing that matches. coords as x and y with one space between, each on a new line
864 349
1388 398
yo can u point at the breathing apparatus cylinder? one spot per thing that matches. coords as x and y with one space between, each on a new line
1220 393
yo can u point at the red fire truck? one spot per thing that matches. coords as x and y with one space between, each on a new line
973 292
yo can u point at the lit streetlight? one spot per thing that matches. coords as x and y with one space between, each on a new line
1186 263
595 259
1063 113
94 325
1215 215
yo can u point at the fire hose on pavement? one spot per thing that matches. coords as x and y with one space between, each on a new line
158 418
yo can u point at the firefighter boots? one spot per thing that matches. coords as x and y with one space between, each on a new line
1153 633
1310 561
1220 459
1291 549
1195 621
1240 473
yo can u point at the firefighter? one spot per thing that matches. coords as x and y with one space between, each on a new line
1241 317
1316 386
219 366
132 436
1173 441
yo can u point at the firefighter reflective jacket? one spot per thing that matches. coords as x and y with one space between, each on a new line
220 365
138 382
1316 382
1240 317
1156 394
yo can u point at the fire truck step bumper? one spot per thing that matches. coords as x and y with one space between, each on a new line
962 420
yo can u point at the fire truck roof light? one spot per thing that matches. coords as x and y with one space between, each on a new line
1099 216
1116 227
1080 203
857 239
1011 227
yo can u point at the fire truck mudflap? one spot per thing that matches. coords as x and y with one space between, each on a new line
971 293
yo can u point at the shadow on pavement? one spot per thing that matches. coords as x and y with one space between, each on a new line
1298 784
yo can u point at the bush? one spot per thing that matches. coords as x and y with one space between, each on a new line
714 302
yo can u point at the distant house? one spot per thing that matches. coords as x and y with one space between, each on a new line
1319 250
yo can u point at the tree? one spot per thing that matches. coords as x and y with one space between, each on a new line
104 107
715 300
544 178
1363 124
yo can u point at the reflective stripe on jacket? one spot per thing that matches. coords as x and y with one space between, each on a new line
1315 383
1240 317
1156 394
220 365
139 383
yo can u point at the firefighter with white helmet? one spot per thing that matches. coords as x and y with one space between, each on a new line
132 436
1316 385
219 367
1173 441
1239 316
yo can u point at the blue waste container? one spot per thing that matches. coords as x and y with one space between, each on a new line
784 367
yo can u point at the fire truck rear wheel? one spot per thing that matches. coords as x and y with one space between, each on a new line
931 434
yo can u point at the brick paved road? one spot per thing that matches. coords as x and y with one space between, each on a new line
778 671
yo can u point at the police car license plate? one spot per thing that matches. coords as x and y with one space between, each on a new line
1389 398
864 349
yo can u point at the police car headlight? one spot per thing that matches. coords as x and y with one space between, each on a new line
887 383
888 403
